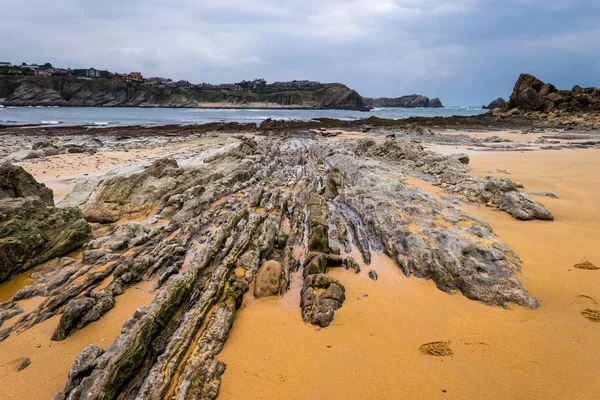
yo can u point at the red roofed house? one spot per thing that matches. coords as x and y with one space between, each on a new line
122 77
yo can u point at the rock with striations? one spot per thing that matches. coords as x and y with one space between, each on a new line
67 91
494 104
32 230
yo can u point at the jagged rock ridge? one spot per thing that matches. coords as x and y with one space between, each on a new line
534 98
215 226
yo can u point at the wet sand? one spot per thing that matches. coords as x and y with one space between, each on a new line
374 340
51 361
519 354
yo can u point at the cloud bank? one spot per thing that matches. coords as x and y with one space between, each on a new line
465 51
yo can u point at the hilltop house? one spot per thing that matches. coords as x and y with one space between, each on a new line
122 78
62 72
44 71
183 84
133 76
92 73
298 84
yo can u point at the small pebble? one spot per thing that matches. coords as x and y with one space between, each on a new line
24 364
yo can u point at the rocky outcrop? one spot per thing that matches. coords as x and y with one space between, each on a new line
410 101
532 97
15 182
55 91
47 148
494 104
238 219
32 230
451 173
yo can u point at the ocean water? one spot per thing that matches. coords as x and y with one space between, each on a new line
128 116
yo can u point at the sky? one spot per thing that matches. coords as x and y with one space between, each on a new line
467 52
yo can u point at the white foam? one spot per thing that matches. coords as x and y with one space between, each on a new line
50 122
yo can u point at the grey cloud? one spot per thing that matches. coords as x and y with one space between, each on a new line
465 51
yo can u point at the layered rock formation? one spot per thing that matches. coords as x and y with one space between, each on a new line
32 230
410 101
106 93
494 104
239 217
532 97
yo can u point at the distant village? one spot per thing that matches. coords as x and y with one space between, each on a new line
45 70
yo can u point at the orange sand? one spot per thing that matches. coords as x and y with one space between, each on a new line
51 361
498 354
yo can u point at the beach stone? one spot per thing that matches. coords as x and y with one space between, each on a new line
321 296
268 280
24 364
373 275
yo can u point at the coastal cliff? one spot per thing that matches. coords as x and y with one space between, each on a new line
410 101
33 91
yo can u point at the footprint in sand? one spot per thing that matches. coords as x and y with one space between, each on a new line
592 315
583 299
437 349
587 266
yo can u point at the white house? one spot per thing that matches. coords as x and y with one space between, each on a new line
5 64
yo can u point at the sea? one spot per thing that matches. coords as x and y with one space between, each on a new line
130 116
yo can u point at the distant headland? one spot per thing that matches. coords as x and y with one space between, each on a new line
46 85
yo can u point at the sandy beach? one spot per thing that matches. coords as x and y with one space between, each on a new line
373 348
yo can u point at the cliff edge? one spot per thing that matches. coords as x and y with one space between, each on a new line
410 101
77 92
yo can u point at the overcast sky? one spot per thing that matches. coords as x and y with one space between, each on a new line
467 52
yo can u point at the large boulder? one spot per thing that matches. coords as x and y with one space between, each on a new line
321 295
532 96
32 230
16 182
268 280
